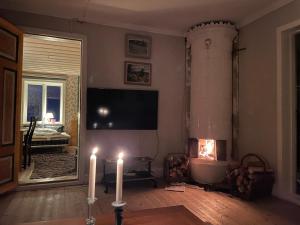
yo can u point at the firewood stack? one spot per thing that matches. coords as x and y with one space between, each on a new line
251 179
176 168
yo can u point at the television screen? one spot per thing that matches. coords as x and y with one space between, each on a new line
118 109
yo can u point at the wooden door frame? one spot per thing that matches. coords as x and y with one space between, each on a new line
286 130
82 130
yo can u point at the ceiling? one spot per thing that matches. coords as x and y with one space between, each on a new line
51 55
160 16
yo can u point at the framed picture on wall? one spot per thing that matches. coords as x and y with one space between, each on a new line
138 46
137 73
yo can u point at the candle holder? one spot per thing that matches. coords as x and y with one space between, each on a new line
118 212
90 220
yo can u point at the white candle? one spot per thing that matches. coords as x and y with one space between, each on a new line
119 183
92 175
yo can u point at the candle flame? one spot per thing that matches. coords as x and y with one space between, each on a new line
95 150
121 154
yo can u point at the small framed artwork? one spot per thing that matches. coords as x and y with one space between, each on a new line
138 46
8 104
137 73
9 45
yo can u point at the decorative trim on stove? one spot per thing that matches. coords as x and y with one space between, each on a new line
212 23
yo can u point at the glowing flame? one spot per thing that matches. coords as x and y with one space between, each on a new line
207 149
95 150
121 154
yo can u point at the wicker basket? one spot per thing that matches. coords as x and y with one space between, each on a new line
252 179
261 181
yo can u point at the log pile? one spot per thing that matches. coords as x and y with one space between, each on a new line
251 180
176 168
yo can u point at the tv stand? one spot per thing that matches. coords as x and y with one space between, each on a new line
133 176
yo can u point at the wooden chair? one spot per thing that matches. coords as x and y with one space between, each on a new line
27 142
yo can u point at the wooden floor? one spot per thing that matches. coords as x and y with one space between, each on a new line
24 177
216 208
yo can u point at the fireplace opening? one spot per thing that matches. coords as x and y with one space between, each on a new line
207 149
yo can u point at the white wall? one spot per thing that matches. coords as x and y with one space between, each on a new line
258 93
105 68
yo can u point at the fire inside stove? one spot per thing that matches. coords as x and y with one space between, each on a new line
207 149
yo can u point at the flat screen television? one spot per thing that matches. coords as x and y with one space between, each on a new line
119 109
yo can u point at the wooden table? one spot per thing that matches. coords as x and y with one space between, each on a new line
175 215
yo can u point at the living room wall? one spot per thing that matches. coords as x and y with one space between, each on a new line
258 85
105 69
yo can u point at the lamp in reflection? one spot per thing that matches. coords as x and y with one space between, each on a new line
103 111
95 125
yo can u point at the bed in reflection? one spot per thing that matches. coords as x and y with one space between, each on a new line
48 138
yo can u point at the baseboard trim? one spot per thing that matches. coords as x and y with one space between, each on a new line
290 197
